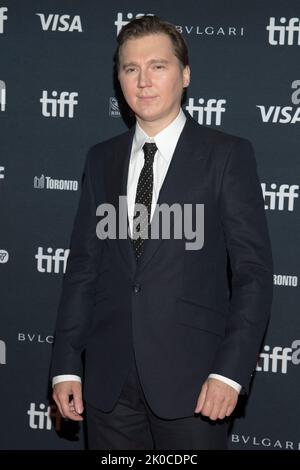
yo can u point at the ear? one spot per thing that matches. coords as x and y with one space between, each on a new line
186 73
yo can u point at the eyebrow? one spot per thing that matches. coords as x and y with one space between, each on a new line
150 62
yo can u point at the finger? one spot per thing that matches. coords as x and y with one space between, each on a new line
214 413
74 416
232 404
71 405
207 406
54 396
78 403
201 398
66 412
71 414
65 409
223 410
72 408
230 408
218 402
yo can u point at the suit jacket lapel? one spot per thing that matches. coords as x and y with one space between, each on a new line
117 171
174 189
181 173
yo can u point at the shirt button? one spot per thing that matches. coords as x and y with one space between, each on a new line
136 287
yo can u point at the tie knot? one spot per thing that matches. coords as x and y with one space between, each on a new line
149 151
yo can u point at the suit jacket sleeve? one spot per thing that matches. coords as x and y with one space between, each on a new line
78 292
248 245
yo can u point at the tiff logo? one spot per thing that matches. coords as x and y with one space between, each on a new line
278 35
50 106
49 263
3 17
114 110
60 22
276 359
277 199
205 114
41 419
2 352
120 22
2 95
2 176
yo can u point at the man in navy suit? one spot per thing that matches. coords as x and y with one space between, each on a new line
171 331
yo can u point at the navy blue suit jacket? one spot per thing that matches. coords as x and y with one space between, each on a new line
184 313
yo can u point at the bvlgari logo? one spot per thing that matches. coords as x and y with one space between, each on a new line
212 30
35 338
262 442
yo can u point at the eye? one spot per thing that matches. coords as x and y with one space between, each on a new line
130 70
159 67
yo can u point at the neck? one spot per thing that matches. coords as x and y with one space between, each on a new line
152 128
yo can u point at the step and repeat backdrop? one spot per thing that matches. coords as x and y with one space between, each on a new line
57 99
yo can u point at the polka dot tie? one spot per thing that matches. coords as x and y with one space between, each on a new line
144 196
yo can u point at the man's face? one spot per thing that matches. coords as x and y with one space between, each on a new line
152 79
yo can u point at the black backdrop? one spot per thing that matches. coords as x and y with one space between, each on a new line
57 99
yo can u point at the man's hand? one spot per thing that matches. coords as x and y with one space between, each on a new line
216 399
61 395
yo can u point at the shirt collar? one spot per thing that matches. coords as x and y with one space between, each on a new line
166 140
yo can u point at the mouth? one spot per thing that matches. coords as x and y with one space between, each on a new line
146 98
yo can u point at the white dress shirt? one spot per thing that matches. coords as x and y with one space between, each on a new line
166 141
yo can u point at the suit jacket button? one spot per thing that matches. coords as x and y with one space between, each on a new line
136 287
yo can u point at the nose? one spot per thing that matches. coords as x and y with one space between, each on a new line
143 79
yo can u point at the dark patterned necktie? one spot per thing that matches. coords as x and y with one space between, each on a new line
144 196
